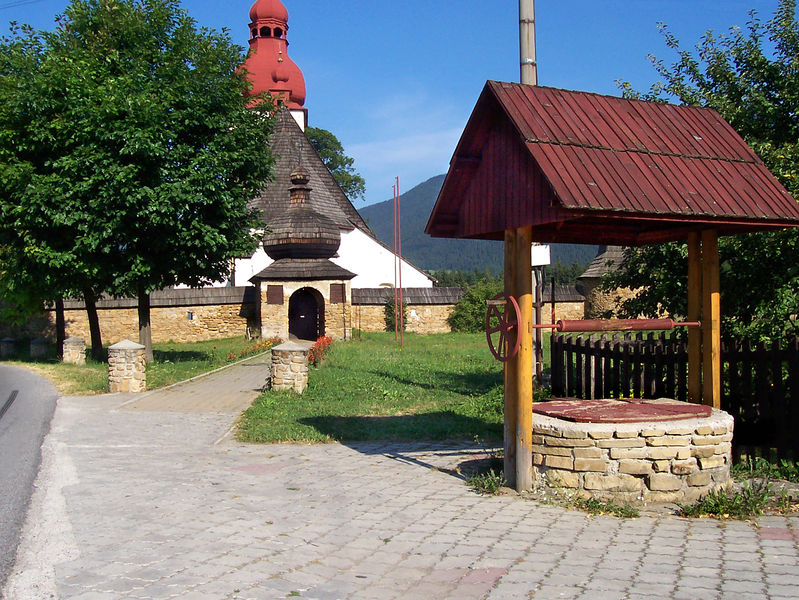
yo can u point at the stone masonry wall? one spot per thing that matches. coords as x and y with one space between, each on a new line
168 323
275 317
430 318
673 461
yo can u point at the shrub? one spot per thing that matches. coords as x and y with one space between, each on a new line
470 312
388 308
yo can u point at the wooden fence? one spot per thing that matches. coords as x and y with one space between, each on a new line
760 384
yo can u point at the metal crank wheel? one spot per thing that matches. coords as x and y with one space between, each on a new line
504 311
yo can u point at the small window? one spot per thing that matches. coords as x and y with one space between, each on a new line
266 32
274 294
255 33
189 316
278 32
338 293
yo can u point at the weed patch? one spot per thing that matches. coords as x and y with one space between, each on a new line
751 501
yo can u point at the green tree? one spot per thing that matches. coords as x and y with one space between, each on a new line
339 164
142 149
751 77
470 312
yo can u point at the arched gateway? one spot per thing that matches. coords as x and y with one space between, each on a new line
306 314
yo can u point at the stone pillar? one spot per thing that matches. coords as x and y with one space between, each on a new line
126 367
74 351
38 348
8 347
290 366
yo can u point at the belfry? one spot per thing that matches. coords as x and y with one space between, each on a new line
268 65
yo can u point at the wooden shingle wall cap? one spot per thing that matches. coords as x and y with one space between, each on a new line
433 295
178 297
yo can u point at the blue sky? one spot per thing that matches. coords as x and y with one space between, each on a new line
396 80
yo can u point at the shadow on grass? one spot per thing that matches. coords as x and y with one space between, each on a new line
465 384
180 356
434 426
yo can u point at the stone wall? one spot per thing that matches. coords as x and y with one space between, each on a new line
168 323
421 318
672 461
599 303
275 317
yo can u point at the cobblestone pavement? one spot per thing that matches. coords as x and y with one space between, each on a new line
161 504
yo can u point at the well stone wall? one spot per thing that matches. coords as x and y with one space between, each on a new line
671 461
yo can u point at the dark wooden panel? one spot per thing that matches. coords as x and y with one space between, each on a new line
274 294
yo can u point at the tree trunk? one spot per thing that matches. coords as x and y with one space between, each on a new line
60 328
145 334
90 300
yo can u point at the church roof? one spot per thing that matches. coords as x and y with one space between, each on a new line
291 147
607 261
311 269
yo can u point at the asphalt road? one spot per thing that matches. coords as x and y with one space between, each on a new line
24 421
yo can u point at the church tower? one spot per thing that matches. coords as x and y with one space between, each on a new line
269 67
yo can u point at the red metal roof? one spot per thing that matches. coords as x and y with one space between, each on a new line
575 164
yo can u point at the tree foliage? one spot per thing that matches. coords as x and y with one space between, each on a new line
339 164
470 311
127 152
751 77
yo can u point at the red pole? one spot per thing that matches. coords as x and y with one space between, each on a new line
399 258
395 263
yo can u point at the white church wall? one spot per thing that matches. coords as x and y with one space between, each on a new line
374 263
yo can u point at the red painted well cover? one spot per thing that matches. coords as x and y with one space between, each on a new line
625 410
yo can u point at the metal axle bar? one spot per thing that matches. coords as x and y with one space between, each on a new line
617 325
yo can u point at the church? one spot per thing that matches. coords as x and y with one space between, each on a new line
317 248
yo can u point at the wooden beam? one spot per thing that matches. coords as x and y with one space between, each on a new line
510 366
694 314
711 320
524 361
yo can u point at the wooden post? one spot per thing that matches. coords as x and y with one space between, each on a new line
694 314
510 366
524 361
711 320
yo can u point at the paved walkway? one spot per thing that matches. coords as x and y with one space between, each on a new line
148 499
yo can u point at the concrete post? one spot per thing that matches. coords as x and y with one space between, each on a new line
127 367
38 348
8 347
290 366
74 351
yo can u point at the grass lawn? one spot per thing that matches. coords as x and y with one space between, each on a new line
437 387
173 362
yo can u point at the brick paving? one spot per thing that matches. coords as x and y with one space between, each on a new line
148 498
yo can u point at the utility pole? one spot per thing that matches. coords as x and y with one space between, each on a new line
529 66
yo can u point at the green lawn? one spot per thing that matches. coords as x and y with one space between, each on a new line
173 362
445 386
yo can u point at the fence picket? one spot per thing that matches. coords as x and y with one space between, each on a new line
760 384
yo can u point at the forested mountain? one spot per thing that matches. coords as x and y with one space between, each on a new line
448 254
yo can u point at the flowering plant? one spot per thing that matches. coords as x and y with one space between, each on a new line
319 349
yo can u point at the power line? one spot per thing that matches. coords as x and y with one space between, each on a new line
17 3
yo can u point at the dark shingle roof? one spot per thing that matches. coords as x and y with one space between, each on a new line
608 261
290 146
303 268
434 295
